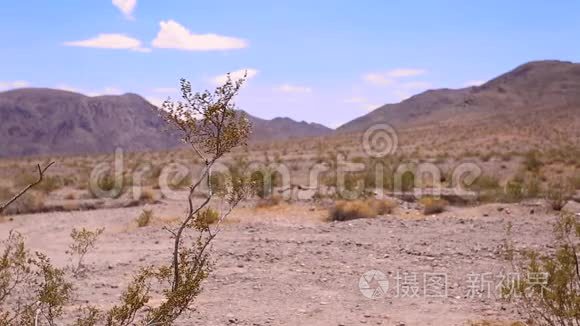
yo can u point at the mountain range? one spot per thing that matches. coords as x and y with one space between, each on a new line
38 121
544 90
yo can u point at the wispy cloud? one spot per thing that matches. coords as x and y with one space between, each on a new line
355 99
390 77
378 79
4 85
288 88
173 35
126 7
110 41
235 75
405 72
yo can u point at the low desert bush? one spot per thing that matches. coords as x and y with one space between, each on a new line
382 206
548 289
351 210
83 241
264 182
531 161
432 205
205 218
514 191
558 195
271 201
32 290
144 219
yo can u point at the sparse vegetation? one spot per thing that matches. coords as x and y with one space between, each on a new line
354 209
432 205
144 219
550 294
558 195
83 241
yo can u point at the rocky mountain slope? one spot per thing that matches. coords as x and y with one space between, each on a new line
542 92
47 121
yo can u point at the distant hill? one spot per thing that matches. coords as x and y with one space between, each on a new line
37 121
541 94
280 128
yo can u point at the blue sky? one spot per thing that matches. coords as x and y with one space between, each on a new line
320 61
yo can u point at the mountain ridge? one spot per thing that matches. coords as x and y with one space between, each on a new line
39 121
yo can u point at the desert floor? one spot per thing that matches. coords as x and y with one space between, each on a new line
284 265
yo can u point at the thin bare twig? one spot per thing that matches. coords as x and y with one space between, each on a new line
41 172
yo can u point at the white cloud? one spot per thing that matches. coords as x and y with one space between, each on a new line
377 79
390 77
173 35
288 88
355 99
405 72
235 75
474 83
126 7
110 41
4 85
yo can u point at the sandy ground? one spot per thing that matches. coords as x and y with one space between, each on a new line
284 266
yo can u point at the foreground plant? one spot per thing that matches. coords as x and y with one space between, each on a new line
548 286
83 241
210 125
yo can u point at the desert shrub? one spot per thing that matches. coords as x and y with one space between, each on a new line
48 184
177 181
144 219
32 291
432 205
558 195
83 241
407 181
350 210
531 162
533 186
110 184
271 201
205 218
514 191
371 179
548 290
382 206
264 182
